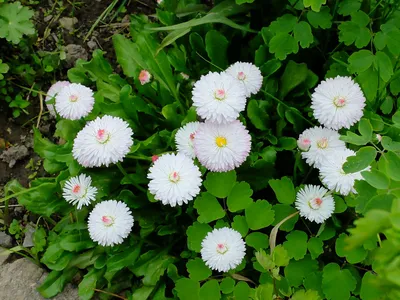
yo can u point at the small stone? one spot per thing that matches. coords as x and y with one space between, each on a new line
28 239
73 53
5 240
92 44
68 23
13 154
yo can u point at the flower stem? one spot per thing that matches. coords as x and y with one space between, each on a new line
139 157
123 171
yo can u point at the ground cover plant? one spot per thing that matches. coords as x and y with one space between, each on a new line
239 150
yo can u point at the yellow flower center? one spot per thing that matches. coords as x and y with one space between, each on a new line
221 141
73 98
322 143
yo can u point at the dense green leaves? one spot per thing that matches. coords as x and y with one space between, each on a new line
259 215
333 277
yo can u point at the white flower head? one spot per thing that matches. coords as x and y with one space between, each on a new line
174 179
222 148
103 141
248 75
319 142
314 204
110 222
52 92
184 139
218 98
338 102
74 101
333 176
144 77
79 190
223 249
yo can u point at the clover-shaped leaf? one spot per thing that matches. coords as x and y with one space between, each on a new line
14 22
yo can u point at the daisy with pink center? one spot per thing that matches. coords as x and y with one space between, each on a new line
314 203
248 75
104 141
110 222
184 138
52 93
144 77
79 190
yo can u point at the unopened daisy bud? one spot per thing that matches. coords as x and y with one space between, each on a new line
78 190
379 138
218 98
248 75
338 102
104 141
74 101
154 158
319 142
144 77
314 203
184 139
223 249
110 222
52 93
333 176
159 2
222 148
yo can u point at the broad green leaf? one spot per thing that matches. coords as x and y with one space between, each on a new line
383 65
88 284
365 128
282 45
76 242
296 271
197 269
240 197
188 289
282 211
210 290
354 31
305 295
257 113
220 184
296 244
143 292
376 178
315 247
370 289
216 46
239 224
259 215
264 291
389 144
241 291
302 34
333 278
172 37
313 281
322 19
360 61
393 165
315 4
368 81
392 39
257 240
227 285
353 256
363 158
208 208
283 189
15 21
381 202
280 256
294 75
55 282
347 7
283 24
195 235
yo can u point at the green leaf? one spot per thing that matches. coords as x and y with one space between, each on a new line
363 158
240 197
257 240
188 289
239 224
315 4
210 290
347 7
55 282
305 295
197 269
294 75
283 24
368 81
360 61
208 208
302 34
15 21
196 233
259 215
322 19
376 178
257 113
296 271
296 244
383 65
353 256
389 144
216 46
241 291
280 256
76 242
315 247
172 37
391 35
282 45
227 285
333 278
143 293
393 165
282 211
283 189
264 291
88 284
370 289
354 31
220 184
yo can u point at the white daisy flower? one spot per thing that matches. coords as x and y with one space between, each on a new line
319 142
174 179
144 77
333 176
52 92
184 138
314 203
222 148
103 141
79 190
74 101
223 249
218 98
110 222
248 74
338 102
